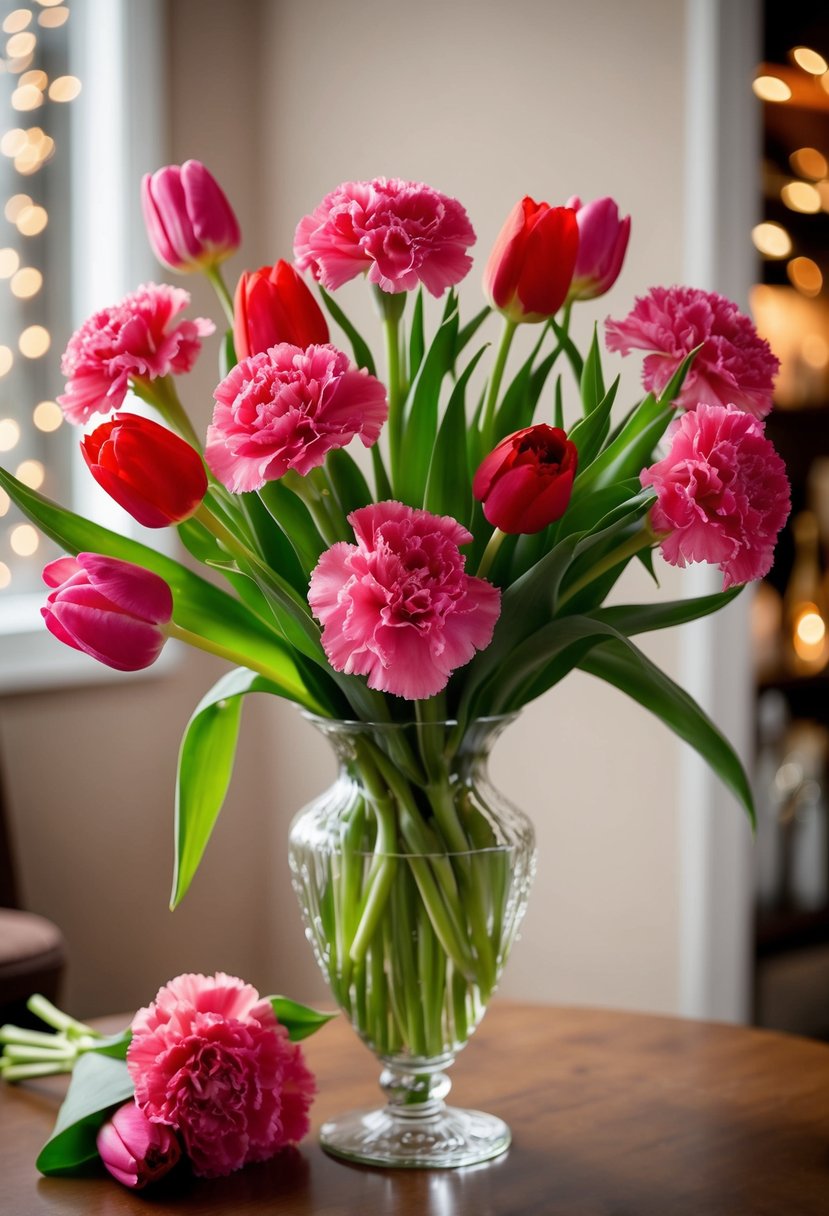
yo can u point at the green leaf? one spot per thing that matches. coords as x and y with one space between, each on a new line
621 664
114 1045
448 486
558 415
349 484
570 350
99 1084
590 432
421 411
592 380
468 331
674 386
227 355
417 341
299 1020
362 353
199 606
644 618
629 452
205 764
294 520
521 397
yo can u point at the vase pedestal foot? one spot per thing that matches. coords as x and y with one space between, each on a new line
451 1137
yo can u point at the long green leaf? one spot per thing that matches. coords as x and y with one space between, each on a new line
644 618
199 606
299 1020
362 354
205 764
417 341
590 432
421 411
592 380
621 664
448 483
99 1084
349 484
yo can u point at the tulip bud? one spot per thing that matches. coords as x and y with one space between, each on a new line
110 609
147 469
526 480
272 305
603 240
190 223
134 1150
532 261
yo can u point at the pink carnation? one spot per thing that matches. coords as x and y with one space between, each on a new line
397 607
722 494
139 339
285 408
734 367
402 233
209 1059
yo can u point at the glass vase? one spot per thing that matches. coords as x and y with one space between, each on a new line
413 874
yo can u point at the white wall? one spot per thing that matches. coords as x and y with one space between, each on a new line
487 102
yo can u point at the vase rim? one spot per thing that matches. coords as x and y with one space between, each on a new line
359 724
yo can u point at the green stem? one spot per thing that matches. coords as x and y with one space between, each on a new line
392 311
296 692
641 539
162 395
490 552
488 427
307 492
24 1072
220 287
52 1016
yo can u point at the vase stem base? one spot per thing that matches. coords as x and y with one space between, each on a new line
445 1140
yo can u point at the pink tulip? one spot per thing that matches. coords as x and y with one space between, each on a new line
603 240
134 1150
190 223
110 609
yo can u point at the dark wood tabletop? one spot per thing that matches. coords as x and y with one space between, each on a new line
613 1114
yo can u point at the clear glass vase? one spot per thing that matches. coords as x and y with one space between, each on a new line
413 874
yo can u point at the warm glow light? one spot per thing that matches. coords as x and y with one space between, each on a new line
27 97
815 351
65 88
5 502
48 3
17 21
804 274
52 18
9 434
772 240
26 283
34 341
47 416
801 196
31 473
16 204
16 66
32 220
6 360
24 540
13 142
20 45
38 79
5 576
771 88
809 634
809 162
809 60
9 262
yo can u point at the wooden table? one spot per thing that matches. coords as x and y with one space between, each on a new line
613 1114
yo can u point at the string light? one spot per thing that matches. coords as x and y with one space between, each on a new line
801 196
805 275
810 61
28 149
771 88
809 162
772 240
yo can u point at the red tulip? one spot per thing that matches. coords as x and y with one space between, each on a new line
189 222
110 609
146 468
532 262
526 480
134 1150
272 305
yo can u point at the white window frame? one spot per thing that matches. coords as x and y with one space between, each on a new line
115 49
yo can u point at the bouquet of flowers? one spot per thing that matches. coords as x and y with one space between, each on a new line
208 1072
458 573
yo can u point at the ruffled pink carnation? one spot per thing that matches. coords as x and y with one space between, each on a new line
722 494
397 607
209 1059
138 338
402 233
734 367
285 408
